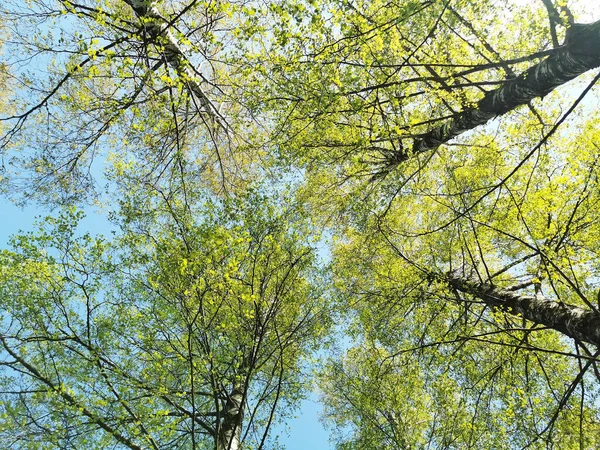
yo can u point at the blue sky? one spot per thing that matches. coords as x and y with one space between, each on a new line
306 432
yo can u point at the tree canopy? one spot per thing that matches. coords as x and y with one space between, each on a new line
413 183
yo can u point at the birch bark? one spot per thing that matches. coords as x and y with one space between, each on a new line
573 321
230 430
158 30
579 54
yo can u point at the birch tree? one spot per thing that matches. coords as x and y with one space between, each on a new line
148 80
451 148
454 146
399 80
180 333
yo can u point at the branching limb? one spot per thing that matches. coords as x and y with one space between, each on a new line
158 30
573 321
579 54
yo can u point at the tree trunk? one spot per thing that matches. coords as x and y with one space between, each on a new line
575 322
230 430
579 53
158 32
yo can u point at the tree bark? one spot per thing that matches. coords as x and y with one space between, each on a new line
579 54
157 29
230 430
573 321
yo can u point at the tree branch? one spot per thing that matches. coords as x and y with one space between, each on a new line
579 54
70 400
573 321
158 30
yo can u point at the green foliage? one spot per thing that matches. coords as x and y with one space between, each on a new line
196 323
124 342
485 377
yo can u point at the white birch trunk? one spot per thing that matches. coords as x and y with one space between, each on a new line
230 430
573 321
579 54
157 28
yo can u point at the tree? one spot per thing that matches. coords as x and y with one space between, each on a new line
119 77
467 257
453 155
185 331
